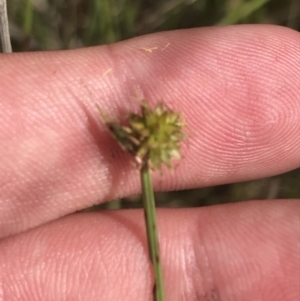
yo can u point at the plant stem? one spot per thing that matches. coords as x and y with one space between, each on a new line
4 31
152 235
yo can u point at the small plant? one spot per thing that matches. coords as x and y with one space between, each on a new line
153 138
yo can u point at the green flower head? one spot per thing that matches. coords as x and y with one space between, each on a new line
153 137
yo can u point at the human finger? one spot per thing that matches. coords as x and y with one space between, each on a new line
236 86
246 251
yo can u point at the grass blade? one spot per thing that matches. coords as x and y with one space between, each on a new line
4 31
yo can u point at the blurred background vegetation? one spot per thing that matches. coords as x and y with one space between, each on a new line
58 24
64 24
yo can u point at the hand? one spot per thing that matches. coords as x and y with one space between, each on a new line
238 88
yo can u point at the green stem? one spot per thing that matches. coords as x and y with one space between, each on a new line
4 30
152 235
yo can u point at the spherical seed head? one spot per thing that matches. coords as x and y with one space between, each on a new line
159 134
153 137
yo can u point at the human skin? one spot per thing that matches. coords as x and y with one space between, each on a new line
238 88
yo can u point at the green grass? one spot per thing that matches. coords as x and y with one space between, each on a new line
71 24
